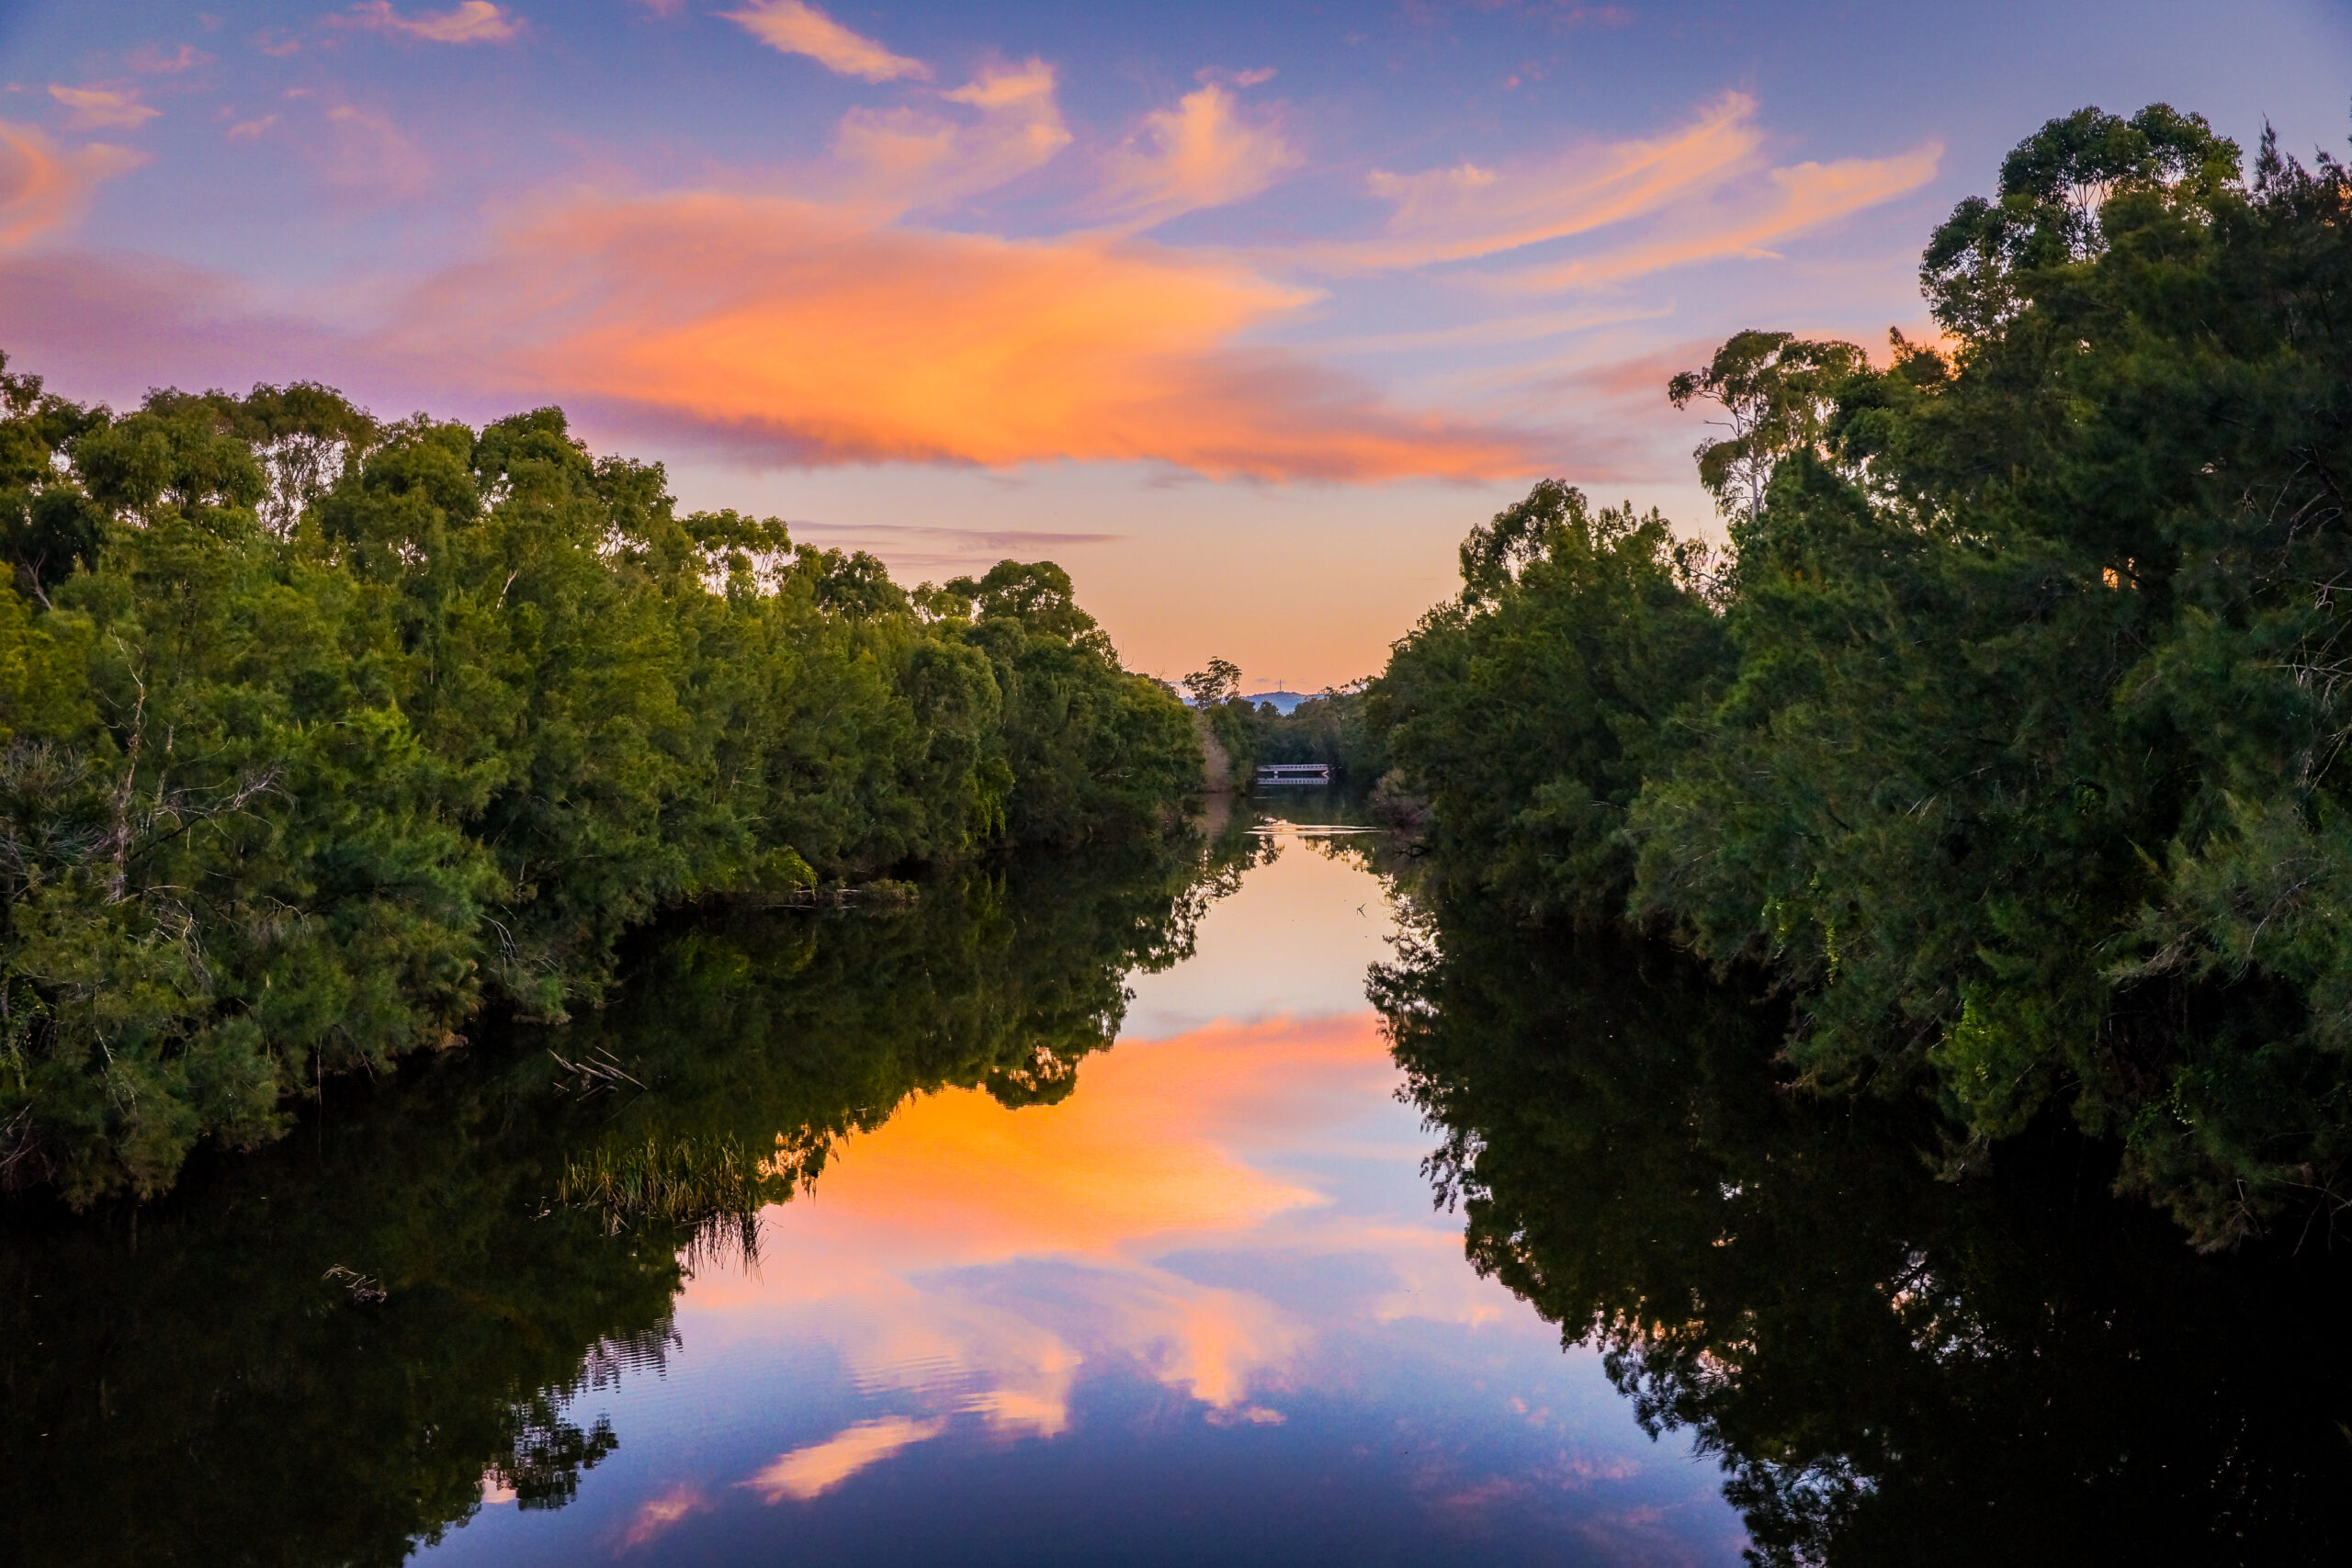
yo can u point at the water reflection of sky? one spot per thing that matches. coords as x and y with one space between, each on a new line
1201 1311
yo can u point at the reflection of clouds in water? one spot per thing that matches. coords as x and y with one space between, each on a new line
972 1345
809 1472
1219 1251
1145 1155
1220 1211
966 1261
1004 1346
658 1514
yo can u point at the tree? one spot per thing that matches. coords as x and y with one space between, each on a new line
2021 767
1220 682
2046 211
1777 391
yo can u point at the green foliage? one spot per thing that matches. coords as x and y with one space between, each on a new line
1332 727
1085 743
1529 711
321 735
1219 683
1777 391
2020 764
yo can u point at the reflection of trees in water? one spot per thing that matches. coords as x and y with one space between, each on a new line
323 1351
1890 1368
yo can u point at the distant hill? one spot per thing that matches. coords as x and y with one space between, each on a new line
1283 701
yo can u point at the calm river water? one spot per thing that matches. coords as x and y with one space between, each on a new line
1081 1212
1200 1311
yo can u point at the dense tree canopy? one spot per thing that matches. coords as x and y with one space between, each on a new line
320 734
2006 737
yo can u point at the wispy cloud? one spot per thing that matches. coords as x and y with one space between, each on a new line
1202 152
1470 210
1007 124
1703 190
366 153
124 323
475 21
914 548
44 187
658 1515
96 107
798 28
149 60
1788 202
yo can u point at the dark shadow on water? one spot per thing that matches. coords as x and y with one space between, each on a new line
1891 1368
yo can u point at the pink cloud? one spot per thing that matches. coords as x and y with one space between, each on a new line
795 28
110 326
1792 200
150 61
1200 153
367 154
905 157
95 106
1699 192
475 21
659 1515
1469 210
44 187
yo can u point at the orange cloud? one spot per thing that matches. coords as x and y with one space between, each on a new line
1466 211
1701 192
811 1472
811 333
44 187
96 107
795 28
1200 153
1795 199
475 21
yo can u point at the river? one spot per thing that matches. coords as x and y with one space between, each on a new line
1202 1309
1089 1211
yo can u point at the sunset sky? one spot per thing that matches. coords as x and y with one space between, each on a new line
1244 313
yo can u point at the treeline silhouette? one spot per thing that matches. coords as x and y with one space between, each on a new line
2005 740
318 735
